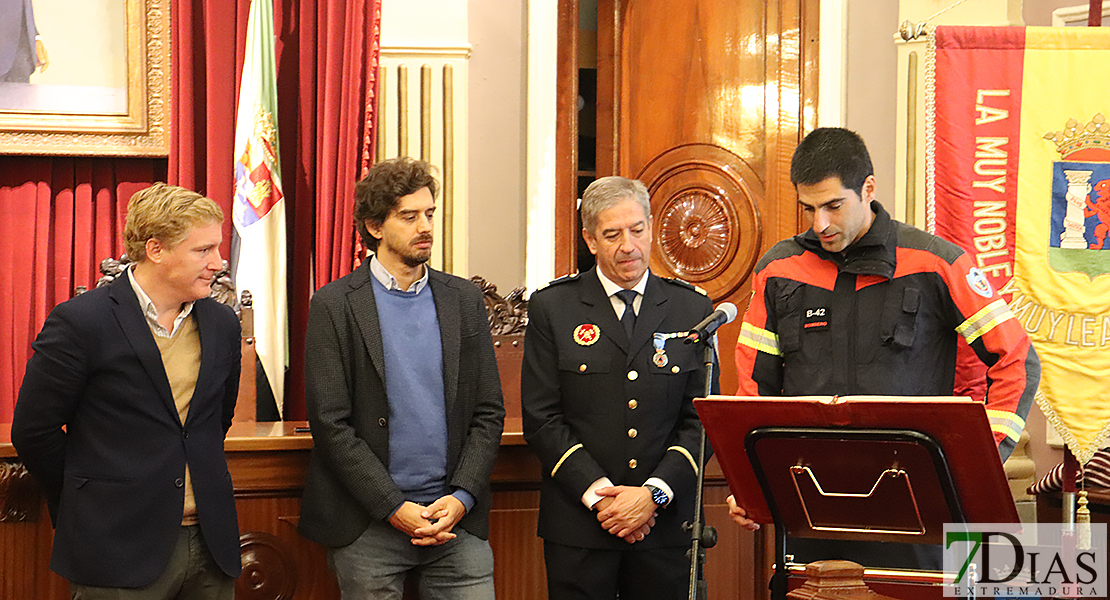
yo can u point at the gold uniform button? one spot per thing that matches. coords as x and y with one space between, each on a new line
632 375
582 367
675 369
632 432
633 404
632 464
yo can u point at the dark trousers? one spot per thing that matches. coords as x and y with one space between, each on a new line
190 575
587 574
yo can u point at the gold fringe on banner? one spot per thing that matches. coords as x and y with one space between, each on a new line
1082 454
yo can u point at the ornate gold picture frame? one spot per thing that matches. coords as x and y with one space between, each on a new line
75 120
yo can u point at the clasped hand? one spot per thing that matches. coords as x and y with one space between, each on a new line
626 512
429 525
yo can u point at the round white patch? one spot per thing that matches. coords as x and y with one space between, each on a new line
979 284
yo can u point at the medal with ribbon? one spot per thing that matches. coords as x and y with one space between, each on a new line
659 340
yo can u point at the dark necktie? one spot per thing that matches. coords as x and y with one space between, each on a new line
628 319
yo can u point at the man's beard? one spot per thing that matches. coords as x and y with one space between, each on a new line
415 257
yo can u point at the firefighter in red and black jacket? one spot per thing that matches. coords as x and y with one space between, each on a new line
863 304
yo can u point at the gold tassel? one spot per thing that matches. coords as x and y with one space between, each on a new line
1083 522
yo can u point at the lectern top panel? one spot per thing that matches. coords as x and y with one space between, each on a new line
958 425
866 485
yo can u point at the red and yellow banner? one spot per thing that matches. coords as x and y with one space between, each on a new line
1018 174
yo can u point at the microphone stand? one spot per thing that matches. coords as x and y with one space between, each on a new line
702 536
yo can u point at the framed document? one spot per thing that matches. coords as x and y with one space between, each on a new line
99 77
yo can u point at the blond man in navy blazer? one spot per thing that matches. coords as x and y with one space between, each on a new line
123 411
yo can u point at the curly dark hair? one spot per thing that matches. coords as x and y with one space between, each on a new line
383 187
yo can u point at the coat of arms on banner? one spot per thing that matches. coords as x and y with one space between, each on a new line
1079 235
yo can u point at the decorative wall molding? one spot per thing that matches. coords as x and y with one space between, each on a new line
422 113
437 51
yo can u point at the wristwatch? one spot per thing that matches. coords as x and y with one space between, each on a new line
658 496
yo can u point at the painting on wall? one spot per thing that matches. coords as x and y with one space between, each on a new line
84 78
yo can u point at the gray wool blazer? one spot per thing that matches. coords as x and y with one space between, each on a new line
348 481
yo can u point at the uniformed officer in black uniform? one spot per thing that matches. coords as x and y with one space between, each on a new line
607 388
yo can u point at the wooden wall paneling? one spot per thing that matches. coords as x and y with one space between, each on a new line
279 564
566 141
268 476
725 567
517 550
25 538
792 79
739 566
608 86
711 97
692 72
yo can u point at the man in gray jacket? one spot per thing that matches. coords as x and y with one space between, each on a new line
405 405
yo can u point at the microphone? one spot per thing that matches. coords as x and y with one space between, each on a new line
725 313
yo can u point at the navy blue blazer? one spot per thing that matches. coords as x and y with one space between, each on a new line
114 477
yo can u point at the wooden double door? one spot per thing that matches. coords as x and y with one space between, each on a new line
704 101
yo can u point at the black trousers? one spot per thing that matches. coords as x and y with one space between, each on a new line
587 574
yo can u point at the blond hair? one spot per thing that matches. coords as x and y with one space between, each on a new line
165 213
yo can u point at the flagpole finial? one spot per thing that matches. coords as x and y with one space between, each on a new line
909 31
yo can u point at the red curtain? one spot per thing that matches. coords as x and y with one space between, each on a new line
326 56
59 217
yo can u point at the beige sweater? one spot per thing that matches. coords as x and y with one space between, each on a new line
181 358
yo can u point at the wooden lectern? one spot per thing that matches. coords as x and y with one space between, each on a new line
859 469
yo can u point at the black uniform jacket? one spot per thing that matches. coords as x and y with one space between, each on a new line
596 404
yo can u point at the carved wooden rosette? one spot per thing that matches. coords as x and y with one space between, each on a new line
705 218
20 498
269 571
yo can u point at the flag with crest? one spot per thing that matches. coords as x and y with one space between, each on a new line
1018 174
258 211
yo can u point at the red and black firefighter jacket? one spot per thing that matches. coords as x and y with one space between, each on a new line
882 318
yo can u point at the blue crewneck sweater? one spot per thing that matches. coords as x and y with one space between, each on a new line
414 386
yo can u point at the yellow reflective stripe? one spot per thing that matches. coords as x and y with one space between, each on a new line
1006 423
684 452
565 456
985 320
759 339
